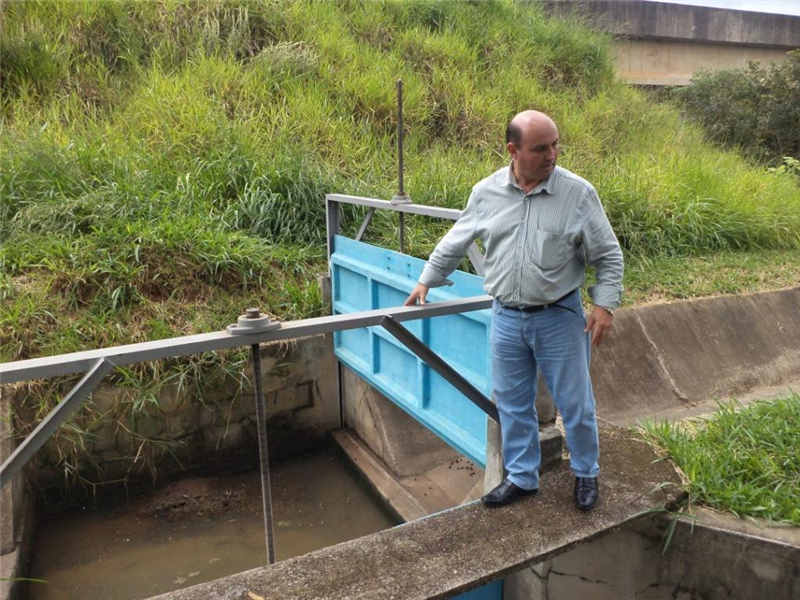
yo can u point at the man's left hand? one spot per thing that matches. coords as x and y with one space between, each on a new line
600 324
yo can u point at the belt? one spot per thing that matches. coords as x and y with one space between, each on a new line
538 307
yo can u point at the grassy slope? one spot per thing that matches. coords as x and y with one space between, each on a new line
163 165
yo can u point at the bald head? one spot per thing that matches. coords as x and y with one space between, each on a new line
533 143
528 121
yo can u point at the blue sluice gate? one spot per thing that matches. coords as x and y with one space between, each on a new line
365 277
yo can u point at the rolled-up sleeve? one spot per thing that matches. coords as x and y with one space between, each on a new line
603 252
453 247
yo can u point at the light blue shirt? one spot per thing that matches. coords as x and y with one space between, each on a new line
537 243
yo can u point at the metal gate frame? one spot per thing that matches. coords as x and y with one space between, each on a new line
413 388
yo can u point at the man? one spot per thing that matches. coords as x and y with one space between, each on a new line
540 225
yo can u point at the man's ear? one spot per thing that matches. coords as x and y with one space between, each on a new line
512 149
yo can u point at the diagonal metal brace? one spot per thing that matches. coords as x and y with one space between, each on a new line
52 421
476 258
435 362
365 224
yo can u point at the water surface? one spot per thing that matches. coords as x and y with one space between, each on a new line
151 546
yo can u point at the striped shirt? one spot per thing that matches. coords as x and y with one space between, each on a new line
537 243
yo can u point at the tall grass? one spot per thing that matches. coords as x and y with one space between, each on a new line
163 163
742 460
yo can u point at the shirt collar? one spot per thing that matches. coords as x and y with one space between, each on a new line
548 185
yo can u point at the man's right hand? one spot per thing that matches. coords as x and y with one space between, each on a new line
418 293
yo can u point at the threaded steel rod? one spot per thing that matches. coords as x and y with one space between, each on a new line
263 453
401 191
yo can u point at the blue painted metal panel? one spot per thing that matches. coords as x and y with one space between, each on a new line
493 591
365 277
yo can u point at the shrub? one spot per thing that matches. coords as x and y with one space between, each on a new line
756 109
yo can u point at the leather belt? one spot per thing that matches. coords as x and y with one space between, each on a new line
538 307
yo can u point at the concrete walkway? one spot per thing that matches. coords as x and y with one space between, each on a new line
460 549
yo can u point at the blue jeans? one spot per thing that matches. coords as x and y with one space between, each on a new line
553 339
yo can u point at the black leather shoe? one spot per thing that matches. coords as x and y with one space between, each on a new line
586 493
505 493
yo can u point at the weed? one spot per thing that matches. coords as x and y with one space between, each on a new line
742 460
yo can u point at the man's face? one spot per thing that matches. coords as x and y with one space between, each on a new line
535 157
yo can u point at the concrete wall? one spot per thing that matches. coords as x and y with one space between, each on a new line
664 359
701 562
658 43
215 432
16 514
671 356
13 494
663 20
404 445
667 62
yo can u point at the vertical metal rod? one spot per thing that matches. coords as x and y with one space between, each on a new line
263 454
401 191
340 391
401 194
402 233
332 226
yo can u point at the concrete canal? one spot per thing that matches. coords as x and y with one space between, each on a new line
203 538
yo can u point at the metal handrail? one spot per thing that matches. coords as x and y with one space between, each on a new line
79 362
99 362
451 214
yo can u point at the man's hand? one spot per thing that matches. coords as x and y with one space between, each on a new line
418 293
600 324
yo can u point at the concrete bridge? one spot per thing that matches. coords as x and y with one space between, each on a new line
658 43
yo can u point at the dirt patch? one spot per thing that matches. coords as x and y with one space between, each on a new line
193 498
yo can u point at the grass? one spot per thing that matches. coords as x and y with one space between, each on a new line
743 460
661 279
164 163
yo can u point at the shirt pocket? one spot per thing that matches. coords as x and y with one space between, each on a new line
551 250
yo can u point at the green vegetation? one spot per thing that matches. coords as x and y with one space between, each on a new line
666 278
756 109
742 460
164 163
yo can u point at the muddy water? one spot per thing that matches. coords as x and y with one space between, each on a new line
155 545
